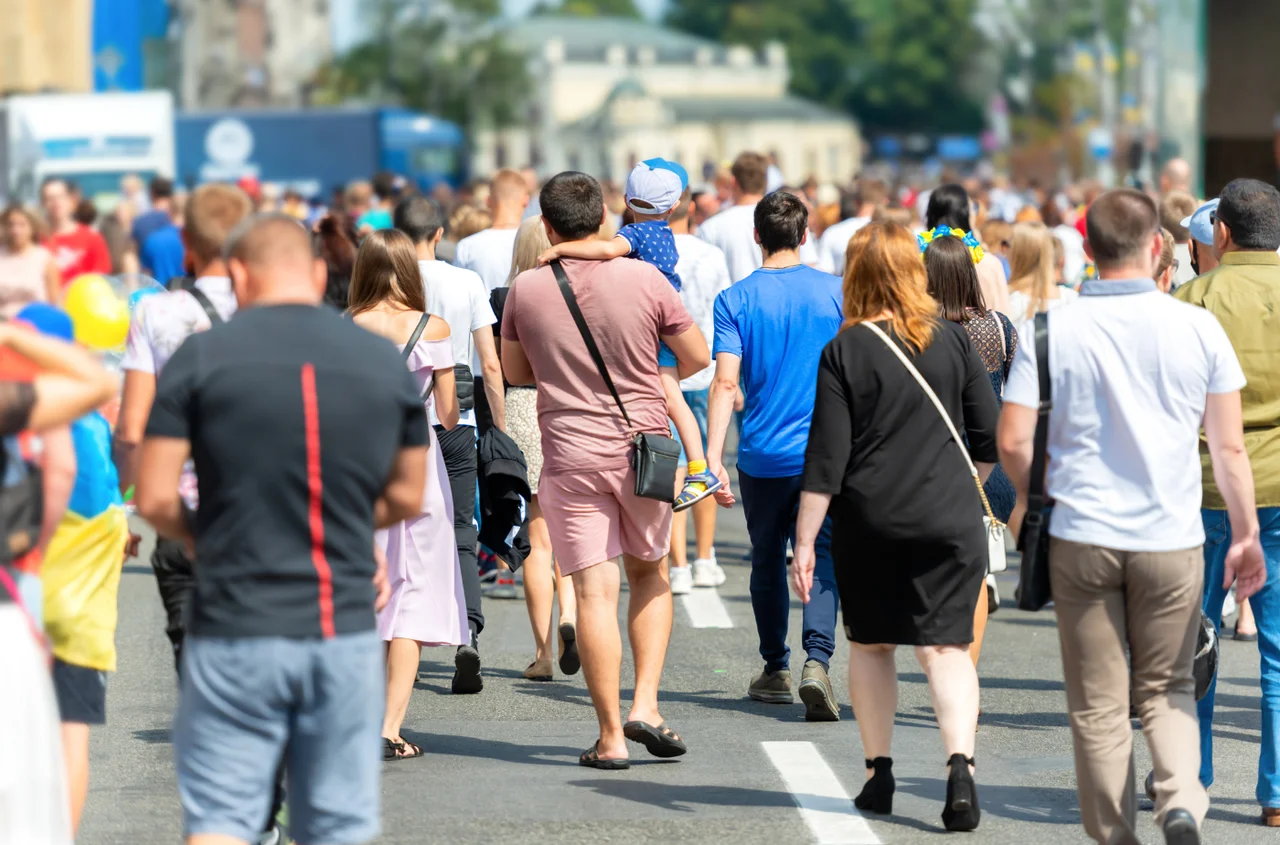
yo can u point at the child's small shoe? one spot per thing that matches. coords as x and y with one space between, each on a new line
696 488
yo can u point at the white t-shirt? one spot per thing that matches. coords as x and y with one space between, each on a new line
160 324
812 255
836 240
703 274
1074 259
1131 373
488 254
1185 272
1019 302
163 321
734 231
458 297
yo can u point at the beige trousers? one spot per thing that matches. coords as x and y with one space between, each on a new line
1150 602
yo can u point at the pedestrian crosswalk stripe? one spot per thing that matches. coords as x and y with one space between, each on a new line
824 805
705 608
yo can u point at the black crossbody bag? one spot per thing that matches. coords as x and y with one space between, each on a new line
657 456
1034 590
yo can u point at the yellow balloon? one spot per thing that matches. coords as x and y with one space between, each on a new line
100 316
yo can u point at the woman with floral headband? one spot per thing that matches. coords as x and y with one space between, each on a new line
949 207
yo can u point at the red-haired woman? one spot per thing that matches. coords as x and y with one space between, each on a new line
908 539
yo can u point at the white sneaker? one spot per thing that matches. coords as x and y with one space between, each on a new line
707 573
681 580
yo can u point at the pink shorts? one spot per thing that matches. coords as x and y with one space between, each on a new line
595 516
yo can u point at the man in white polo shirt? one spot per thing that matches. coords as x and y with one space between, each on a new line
1133 375
734 229
459 297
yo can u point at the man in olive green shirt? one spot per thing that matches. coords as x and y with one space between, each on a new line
1244 294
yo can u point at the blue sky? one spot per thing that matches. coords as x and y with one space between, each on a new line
346 20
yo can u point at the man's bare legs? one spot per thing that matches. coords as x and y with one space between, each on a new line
600 647
649 612
600 642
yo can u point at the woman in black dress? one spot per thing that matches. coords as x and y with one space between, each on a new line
908 540
953 283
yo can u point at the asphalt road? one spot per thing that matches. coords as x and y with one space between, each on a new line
501 766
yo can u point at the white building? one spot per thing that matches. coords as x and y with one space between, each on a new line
250 52
608 93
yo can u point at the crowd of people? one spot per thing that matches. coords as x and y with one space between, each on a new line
343 422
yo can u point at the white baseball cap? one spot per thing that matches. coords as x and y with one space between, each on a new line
657 184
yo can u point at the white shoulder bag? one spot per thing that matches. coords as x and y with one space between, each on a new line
996 557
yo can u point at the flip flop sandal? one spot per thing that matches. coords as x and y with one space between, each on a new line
570 663
393 751
660 741
591 759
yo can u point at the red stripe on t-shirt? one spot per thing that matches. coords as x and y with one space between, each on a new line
311 410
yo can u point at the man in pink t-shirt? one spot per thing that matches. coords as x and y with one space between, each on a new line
587 484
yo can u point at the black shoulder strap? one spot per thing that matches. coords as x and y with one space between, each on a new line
1039 456
215 319
1007 333
576 312
413 338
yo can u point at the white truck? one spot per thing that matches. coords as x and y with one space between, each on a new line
93 140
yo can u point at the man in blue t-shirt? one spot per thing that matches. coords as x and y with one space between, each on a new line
771 328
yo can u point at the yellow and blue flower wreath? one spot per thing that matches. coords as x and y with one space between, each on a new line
975 248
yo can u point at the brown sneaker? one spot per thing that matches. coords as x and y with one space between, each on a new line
1271 816
817 694
772 688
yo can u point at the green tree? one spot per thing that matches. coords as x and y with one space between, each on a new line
449 61
590 8
895 64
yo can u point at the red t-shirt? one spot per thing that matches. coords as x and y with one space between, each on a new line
82 250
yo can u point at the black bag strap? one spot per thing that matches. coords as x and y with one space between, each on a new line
576 312
1040 453
215 319
413 338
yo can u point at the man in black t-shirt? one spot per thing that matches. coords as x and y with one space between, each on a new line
306 432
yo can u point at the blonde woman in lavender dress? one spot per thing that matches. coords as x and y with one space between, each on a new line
427 606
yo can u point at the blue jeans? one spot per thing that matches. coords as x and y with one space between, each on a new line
248 703
697 401
1266 611
771 505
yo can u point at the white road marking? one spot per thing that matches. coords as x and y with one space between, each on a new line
824 805
705 608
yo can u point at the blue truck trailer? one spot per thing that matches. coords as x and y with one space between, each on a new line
313 151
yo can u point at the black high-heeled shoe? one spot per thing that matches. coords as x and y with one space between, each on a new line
961 811
877 794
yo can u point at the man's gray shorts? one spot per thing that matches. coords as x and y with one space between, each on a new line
248 703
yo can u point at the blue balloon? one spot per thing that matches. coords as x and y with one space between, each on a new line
137 296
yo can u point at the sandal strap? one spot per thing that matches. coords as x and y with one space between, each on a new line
878 763
967 760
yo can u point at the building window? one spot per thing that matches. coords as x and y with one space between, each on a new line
810 163
575 161
500 154
632 160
